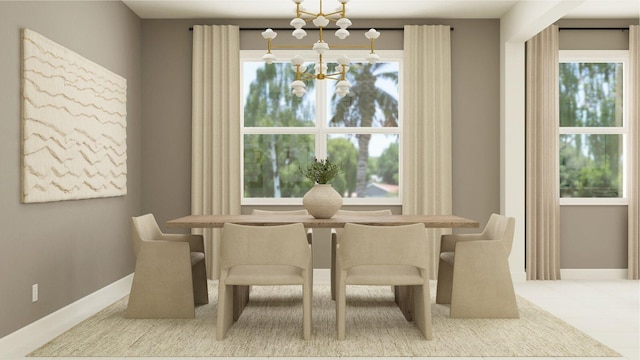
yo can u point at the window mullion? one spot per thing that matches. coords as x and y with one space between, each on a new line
278 130
362 130
321 119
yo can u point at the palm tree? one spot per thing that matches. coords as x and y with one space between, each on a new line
366 105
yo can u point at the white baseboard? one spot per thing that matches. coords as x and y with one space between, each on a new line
23 341
518 276
321 276
593 274
580 274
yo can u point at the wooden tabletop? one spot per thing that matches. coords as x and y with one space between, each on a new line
218 221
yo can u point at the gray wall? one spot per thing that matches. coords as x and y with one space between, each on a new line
69 248
593 237
475 95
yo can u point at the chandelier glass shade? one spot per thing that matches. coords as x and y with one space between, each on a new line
320 20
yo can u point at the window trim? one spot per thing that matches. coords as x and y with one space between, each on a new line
320 129
620 56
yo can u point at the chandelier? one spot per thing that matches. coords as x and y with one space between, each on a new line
320 20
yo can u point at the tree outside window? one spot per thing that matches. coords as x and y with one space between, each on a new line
592 127
282 132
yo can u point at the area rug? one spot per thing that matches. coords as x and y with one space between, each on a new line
271 325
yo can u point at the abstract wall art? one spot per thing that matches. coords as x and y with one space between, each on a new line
74 123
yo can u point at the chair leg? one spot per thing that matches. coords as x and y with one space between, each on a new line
445 281
200 287
306 310
333 266
340 310
161 290
482 289
422 306
225 310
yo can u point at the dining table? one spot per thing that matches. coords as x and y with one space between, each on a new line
403 294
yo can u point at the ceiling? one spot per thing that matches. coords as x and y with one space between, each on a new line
368 9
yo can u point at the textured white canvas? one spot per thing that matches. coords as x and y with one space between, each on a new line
74 123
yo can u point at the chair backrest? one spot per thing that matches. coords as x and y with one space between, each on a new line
383 245
264 245
383 212
279 212
502 228
364 212
144 228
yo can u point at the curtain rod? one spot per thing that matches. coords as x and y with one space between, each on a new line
594 28
354 29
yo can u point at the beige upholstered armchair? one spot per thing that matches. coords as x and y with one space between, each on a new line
474 275
337 233
170 275
263 255
384 255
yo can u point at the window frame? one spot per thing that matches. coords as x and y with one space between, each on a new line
321 130
604 56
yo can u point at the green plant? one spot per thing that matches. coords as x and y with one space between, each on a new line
321 171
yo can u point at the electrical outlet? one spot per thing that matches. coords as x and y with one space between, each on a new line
34 292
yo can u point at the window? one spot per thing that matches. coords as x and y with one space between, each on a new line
281 132
593 126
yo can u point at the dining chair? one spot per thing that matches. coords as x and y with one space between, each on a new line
337 233
286 212
384 255
170 275
474 274
263 255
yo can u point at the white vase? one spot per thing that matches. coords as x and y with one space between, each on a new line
322 201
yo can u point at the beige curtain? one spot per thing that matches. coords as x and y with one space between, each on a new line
542 213
634 156
426 123
215 172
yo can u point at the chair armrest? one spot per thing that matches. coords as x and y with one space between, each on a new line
481 251
448 241
196 242
169 260
163 251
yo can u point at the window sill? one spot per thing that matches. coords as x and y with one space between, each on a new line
593 201
298 201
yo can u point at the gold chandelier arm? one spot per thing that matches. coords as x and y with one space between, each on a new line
302 12
306 47
298 12
306 76
334 76
315 15
339 12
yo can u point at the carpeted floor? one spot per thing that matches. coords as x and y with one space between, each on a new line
271 325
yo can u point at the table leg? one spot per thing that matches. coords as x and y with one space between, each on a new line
404 299
240 300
